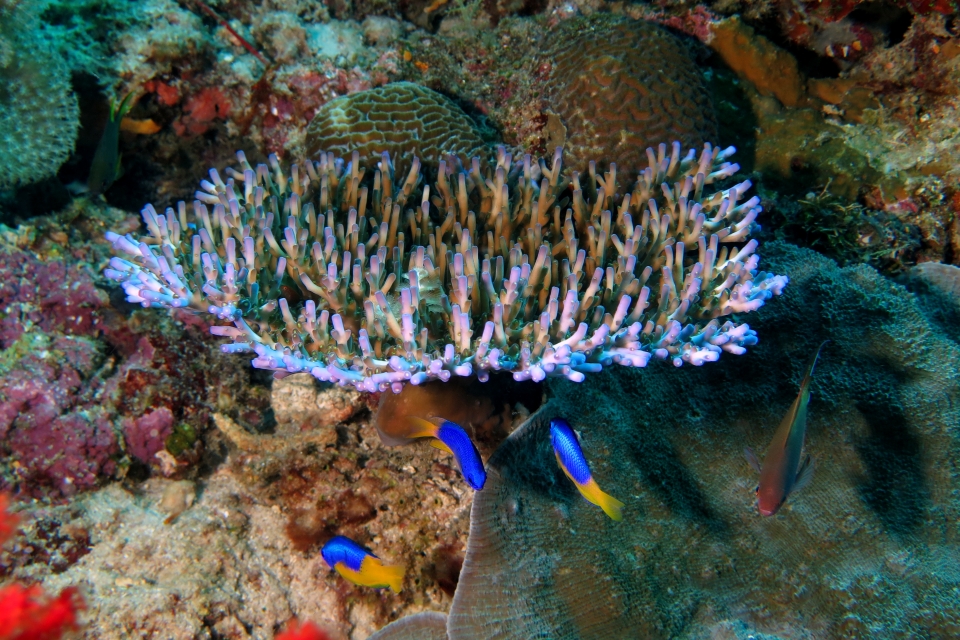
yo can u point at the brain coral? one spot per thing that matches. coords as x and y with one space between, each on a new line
403 119
374 283
38 110
618 86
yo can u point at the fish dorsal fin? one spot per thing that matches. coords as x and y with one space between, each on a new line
813 362
751 459
804 474
803 397
124 108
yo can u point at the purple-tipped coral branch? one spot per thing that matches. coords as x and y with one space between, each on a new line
381 282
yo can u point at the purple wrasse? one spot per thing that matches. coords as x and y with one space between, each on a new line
782 472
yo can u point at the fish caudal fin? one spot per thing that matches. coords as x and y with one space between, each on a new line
389 575
751 459
804 474
373 573
610 505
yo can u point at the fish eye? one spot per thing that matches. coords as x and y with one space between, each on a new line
756 491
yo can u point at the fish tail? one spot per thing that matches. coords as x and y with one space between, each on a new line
389 575
424 428
610 505
373 573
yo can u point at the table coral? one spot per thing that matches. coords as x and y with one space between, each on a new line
403 119
618 86
363 286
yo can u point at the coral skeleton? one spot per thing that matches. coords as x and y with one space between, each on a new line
520 269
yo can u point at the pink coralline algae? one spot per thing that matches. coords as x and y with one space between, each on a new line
76 377
52 430
51 426
145 436
49 296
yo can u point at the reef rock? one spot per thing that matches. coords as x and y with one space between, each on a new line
870 545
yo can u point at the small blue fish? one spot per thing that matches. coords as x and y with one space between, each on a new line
566 446
450 437
359 566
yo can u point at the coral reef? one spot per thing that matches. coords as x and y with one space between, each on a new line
616 87
38 110
862 548
546 305
402 119
237 552
52 431
846 231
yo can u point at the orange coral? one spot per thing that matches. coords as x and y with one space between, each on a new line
304 631
201 110
167 95
25 612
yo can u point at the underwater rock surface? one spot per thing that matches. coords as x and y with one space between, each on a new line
869 548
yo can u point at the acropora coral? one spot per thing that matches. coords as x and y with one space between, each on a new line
378 283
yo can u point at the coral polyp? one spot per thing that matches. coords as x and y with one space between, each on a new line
376 281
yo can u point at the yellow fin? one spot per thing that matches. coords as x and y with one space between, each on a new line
610 505
424 428
376 574
439 444
373 573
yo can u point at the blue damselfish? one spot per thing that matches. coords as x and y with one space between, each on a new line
450 437
359 566
566 446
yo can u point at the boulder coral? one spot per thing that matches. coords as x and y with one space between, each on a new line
866 546
524 269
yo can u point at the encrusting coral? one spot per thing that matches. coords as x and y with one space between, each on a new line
524 270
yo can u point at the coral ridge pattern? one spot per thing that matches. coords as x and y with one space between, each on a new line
523 269
401 118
